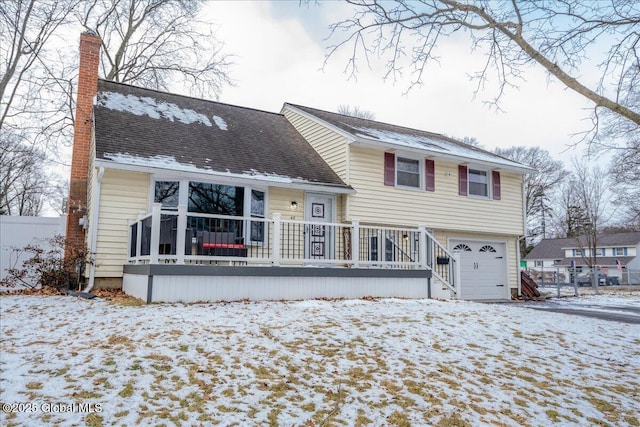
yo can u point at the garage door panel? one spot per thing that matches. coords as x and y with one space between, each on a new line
482 269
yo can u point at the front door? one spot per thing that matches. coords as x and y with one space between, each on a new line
319 239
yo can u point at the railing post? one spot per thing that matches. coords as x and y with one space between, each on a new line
456 273
355 243
422 255
155 232
277 226
181 230
139 235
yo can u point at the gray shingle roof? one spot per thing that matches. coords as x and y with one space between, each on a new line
404 138
553 248
150 128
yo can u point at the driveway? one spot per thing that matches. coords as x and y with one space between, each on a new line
616 313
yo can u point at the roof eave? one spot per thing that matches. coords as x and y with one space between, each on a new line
263 180
436 154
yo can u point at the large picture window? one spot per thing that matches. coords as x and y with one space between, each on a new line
216 199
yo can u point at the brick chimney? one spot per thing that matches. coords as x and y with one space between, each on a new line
87 88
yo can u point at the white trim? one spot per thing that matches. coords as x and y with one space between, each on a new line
236 179
350 138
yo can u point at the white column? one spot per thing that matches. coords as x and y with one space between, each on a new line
456 268
155 232
422 252
355 242
139 235
181 231
277 226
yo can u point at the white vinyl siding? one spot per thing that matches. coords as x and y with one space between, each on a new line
331 146
123 195
443 208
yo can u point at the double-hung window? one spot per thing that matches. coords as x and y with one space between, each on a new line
408 172
256 231
478 183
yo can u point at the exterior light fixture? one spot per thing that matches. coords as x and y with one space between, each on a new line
294 205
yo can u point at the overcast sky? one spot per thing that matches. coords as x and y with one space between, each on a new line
280 47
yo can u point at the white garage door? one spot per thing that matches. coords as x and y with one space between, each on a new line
483 270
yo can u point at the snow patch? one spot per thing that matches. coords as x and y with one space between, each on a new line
431 144
219 121
151 107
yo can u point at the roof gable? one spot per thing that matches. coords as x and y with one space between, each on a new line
143 127
400 137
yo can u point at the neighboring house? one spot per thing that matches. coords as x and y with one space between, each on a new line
176 182
556 255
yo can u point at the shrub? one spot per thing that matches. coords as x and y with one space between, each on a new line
45 268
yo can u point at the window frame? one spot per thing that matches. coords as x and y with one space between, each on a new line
623 251
183 199
421 172
488 184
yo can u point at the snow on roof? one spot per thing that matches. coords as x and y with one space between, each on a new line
170 162
219 121
151 107
432 144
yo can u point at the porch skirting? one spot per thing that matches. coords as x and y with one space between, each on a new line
199 283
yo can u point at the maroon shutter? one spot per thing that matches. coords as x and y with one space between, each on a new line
430 174
495 178
462 180
389 169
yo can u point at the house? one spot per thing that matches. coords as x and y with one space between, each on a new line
617 255
297 204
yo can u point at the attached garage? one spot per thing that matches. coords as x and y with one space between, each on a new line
483 269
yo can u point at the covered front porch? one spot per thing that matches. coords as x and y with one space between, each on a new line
175 255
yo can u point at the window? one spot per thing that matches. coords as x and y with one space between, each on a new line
577 252
599 251
537 263
620 251
478 183
167 193
257 211
408 172
216 199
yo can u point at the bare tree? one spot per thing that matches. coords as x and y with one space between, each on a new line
558 36
356 111
157 43
33 91
584 202
539 187
23 181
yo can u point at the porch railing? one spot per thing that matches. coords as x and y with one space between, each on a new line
178 236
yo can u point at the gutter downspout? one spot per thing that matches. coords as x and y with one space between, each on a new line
94 229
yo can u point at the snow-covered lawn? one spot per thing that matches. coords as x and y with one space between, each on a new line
354 362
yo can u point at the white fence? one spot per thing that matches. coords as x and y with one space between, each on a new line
20 231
